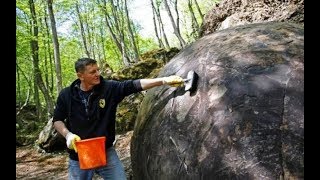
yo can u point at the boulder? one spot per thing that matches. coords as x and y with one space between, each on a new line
245 119
230 13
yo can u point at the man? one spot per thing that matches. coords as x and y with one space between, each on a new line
87 109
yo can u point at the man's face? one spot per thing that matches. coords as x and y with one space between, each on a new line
91 75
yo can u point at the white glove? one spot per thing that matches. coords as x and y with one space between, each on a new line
173 80
71 139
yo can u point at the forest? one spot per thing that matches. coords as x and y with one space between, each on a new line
51 35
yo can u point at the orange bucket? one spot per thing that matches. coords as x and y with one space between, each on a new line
91 152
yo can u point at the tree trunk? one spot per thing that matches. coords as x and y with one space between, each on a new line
36 97
119 29
48 48
18 88
46 67
35 57
92 41
18 69
175 25
56 46
133 41
109 26
195 24
102 44
89 34
199 10
161 45
83 36
162 31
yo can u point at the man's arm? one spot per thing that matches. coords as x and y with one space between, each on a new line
150 83
61 128
171 80
70 137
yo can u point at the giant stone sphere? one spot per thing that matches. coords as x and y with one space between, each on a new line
245 119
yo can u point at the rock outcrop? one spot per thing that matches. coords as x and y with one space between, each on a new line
230 13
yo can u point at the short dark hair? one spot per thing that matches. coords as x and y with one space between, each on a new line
81 63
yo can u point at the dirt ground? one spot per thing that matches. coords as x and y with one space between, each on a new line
34 164
31 164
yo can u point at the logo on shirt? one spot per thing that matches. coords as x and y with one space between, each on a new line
102 103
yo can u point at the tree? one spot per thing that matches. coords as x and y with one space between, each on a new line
175 24
56 46
83 36
195 24
132 36
157 18
35 59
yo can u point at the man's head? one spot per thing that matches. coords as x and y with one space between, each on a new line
88 72
80 64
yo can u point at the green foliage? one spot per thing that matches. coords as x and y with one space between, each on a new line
186 30
71 46
146 44
69 53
